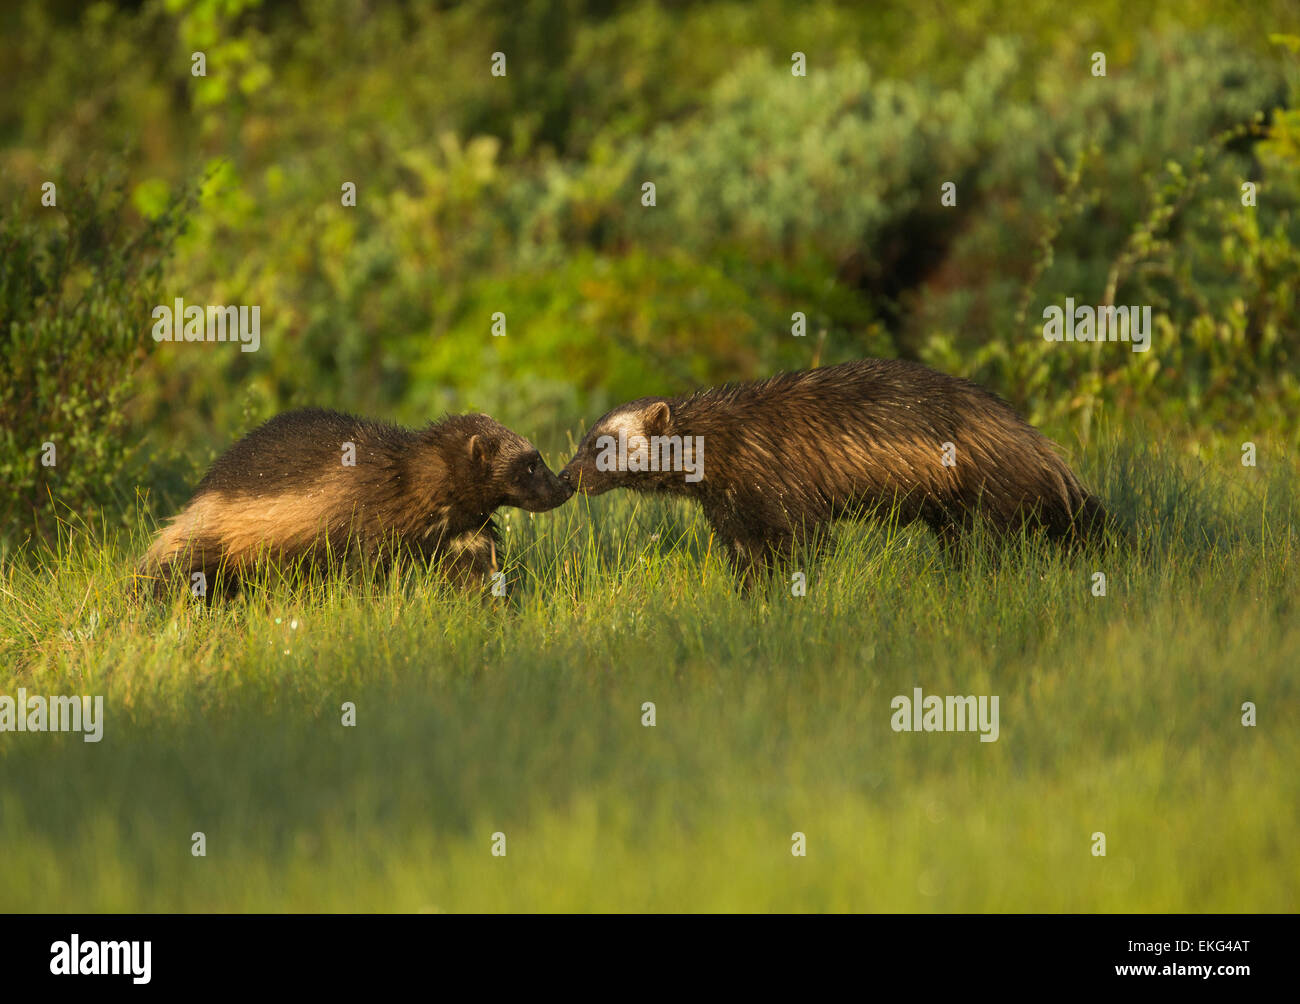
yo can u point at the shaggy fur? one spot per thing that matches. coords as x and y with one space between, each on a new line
282 493
785 456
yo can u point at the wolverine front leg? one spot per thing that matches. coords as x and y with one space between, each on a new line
472 559
743 553
804 546
755 555
773 549
749 546
746 563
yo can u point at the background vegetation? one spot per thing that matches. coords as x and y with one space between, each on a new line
775 194
521 194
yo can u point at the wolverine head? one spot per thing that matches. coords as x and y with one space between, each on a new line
635 446
511 467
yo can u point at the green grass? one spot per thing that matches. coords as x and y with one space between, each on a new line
1118 714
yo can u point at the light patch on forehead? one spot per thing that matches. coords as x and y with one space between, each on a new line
625 422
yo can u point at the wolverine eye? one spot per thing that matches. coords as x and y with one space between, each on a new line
532 468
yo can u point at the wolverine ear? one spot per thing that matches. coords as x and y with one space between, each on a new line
478 450
656 418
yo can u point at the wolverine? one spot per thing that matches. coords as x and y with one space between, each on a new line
320 487
773 462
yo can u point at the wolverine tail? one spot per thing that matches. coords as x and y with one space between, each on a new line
180 549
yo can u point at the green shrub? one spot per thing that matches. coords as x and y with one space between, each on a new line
775 194
1222 277
77 284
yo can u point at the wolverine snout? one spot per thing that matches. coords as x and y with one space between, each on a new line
556 492
574 481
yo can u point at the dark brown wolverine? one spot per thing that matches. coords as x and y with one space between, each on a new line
284 492
785 456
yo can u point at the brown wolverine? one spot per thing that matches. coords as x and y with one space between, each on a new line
286 492
781 457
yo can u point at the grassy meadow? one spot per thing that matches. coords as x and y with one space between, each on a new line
1118 714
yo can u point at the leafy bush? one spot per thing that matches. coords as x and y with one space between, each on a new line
77 284
1222 277
775 194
